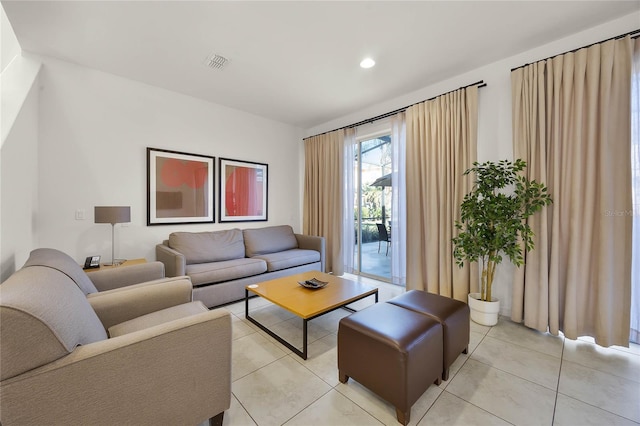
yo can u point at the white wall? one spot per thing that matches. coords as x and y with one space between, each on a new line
9 46
19 141
19 187
94 130
494 125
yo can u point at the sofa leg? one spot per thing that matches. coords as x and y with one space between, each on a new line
342 377
216 420
466 350
403 417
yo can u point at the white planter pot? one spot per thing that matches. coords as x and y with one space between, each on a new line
484 313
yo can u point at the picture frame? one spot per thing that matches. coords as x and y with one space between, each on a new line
243 191
180 187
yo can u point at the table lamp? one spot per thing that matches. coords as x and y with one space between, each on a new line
112 215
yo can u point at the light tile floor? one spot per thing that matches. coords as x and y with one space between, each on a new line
512 375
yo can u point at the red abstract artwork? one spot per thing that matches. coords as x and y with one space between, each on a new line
180 187
243 196
243 191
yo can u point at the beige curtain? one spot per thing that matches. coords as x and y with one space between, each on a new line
323 194
571 123
635 171
441 145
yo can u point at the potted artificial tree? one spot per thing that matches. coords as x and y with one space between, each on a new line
492 224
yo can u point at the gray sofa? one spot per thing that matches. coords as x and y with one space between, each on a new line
141 354
221 263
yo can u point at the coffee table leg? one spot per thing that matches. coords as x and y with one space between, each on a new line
304 339
302 354
246 303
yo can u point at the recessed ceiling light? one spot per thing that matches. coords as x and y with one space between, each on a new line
367 63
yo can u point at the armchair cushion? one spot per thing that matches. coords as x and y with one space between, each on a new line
108 279
123 304
43 321
159 317
203 247
62 262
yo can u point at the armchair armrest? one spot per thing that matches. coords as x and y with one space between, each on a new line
120 305
173 373
312 242
109 279
174 261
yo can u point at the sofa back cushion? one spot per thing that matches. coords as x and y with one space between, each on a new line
43 317
62 262
204 247
270 239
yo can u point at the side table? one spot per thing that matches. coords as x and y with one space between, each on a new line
127 262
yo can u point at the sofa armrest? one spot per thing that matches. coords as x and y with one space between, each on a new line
123 304
174 261
173 373
108 279
311 242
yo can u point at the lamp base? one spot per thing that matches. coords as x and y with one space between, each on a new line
116 262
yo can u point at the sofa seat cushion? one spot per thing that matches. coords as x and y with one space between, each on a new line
289 259
212 246
216 272
159 317
271 239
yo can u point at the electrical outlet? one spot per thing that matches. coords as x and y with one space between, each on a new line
81 214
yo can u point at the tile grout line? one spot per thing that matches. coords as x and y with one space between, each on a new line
355 402
478 407
555 402
246 410
599 408
515 374
312 402
526 347
456 373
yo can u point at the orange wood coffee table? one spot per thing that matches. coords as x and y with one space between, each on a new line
307 303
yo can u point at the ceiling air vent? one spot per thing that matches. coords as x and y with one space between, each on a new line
215 61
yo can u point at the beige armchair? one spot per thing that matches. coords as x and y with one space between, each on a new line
111 357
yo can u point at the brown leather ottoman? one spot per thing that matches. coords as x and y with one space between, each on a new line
394 352
452 314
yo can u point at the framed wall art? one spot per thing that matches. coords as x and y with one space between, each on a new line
243 191
179 187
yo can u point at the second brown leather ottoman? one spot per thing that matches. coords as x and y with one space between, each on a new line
452 314
394 352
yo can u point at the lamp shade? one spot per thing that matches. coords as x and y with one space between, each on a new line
112 214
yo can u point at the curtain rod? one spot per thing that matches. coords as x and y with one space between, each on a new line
583 47
389 114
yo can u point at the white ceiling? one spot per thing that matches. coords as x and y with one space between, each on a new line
297 62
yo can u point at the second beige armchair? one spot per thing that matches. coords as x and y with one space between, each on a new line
110 357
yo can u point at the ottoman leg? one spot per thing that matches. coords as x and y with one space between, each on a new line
445 374
342 377
466 350
403 416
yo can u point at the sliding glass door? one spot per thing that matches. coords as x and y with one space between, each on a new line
372 207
